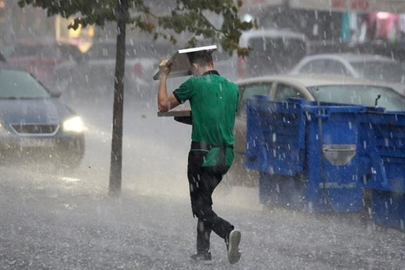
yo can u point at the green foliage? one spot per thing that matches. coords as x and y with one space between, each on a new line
187 16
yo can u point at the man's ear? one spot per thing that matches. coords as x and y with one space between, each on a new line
194 69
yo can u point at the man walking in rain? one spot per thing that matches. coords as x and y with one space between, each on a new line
213 100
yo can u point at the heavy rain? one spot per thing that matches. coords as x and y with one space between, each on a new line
317 179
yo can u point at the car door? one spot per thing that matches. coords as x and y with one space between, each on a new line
246 91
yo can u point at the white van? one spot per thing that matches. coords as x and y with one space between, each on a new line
274 51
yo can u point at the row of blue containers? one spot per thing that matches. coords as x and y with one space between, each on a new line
319 157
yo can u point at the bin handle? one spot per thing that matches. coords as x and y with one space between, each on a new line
347 153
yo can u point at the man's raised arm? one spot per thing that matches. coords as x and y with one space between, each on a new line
165 102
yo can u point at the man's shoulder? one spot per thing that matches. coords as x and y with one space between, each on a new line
215 78
230 83
226 80
187 83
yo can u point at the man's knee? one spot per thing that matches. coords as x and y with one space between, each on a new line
202 210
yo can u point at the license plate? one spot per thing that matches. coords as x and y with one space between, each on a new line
37 142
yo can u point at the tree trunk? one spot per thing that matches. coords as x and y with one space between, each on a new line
118 109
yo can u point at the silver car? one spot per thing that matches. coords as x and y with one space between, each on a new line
368 66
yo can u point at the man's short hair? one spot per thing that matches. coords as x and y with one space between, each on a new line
202 58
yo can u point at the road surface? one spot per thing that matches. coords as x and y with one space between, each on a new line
52 219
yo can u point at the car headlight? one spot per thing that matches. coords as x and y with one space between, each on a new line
74 124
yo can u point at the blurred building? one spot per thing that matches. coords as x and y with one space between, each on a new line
31 24
337 24
351 21
315 24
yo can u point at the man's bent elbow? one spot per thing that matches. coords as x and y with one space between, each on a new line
163 106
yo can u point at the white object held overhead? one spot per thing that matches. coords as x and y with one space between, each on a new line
180 62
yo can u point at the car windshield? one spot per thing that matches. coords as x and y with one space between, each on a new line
361 95
15 84
383 71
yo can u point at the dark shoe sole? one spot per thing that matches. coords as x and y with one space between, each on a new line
200 259
204 262
233 248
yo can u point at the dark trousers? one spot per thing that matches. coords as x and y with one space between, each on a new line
203 181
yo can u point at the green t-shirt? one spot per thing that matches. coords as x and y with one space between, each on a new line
214 101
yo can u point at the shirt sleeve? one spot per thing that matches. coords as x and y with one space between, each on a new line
184 92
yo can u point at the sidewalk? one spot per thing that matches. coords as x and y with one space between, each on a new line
59 222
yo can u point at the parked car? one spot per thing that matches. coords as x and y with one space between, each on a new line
322 89
33 122
98 70
274 51
52 63
373 67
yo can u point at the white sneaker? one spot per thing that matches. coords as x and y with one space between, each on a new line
233 246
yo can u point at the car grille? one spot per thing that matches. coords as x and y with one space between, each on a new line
35 129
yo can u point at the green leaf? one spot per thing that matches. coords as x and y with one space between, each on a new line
186 16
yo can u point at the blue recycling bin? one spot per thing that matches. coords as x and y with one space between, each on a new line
382 155
306 153
382 150
276 148
332 160
275 136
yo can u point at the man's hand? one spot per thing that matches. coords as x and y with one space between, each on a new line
165 68
165 102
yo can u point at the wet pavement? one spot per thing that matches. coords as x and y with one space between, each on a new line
53 219
59 222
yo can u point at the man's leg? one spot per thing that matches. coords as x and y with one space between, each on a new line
195 159
203 181
203 236
203 243
206 182
210 178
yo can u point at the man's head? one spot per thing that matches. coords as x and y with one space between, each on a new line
200 62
